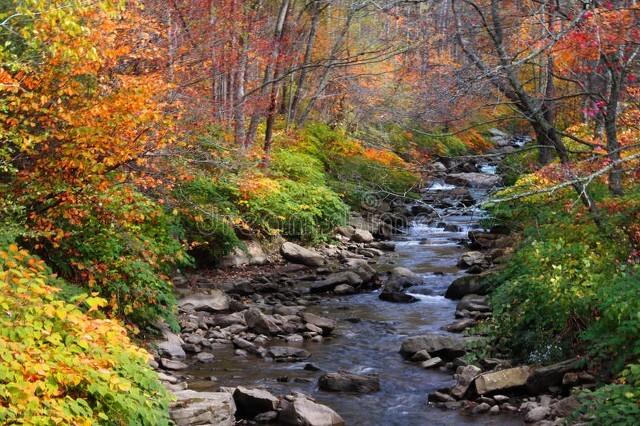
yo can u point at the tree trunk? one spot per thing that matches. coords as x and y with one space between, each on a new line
611 131
302 77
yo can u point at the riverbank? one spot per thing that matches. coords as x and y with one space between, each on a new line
293 308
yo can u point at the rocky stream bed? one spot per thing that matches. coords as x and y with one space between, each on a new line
366 331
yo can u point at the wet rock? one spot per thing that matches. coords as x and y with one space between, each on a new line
464 379
474 180
502 380
343 381
468 284
172 364
396 296
311 367
537 414
302 411
287 353
260 323
203 408
215 301
344 289
494 410
251 402
205 357
298 254
327 325
431 363
362 236
252 254
460 325
444 346
440 397
333 280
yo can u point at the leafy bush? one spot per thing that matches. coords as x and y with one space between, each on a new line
63 366
208 212
357 172
124 250
614 404
295 209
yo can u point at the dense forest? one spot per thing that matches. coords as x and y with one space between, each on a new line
166 166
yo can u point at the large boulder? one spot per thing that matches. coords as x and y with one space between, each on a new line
251 254
445 346
215 301
302 411
260 323
362 236
498 381
343 381
298 254
474 180
468 284
551 375
251 402
203 408
326 324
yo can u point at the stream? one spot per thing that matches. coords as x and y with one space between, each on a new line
369 335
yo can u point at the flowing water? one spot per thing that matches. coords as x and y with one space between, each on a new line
369 336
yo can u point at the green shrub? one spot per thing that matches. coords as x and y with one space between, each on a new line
61 365
295 209
614 404
208 211
124 251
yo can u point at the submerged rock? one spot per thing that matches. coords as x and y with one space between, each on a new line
287 353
